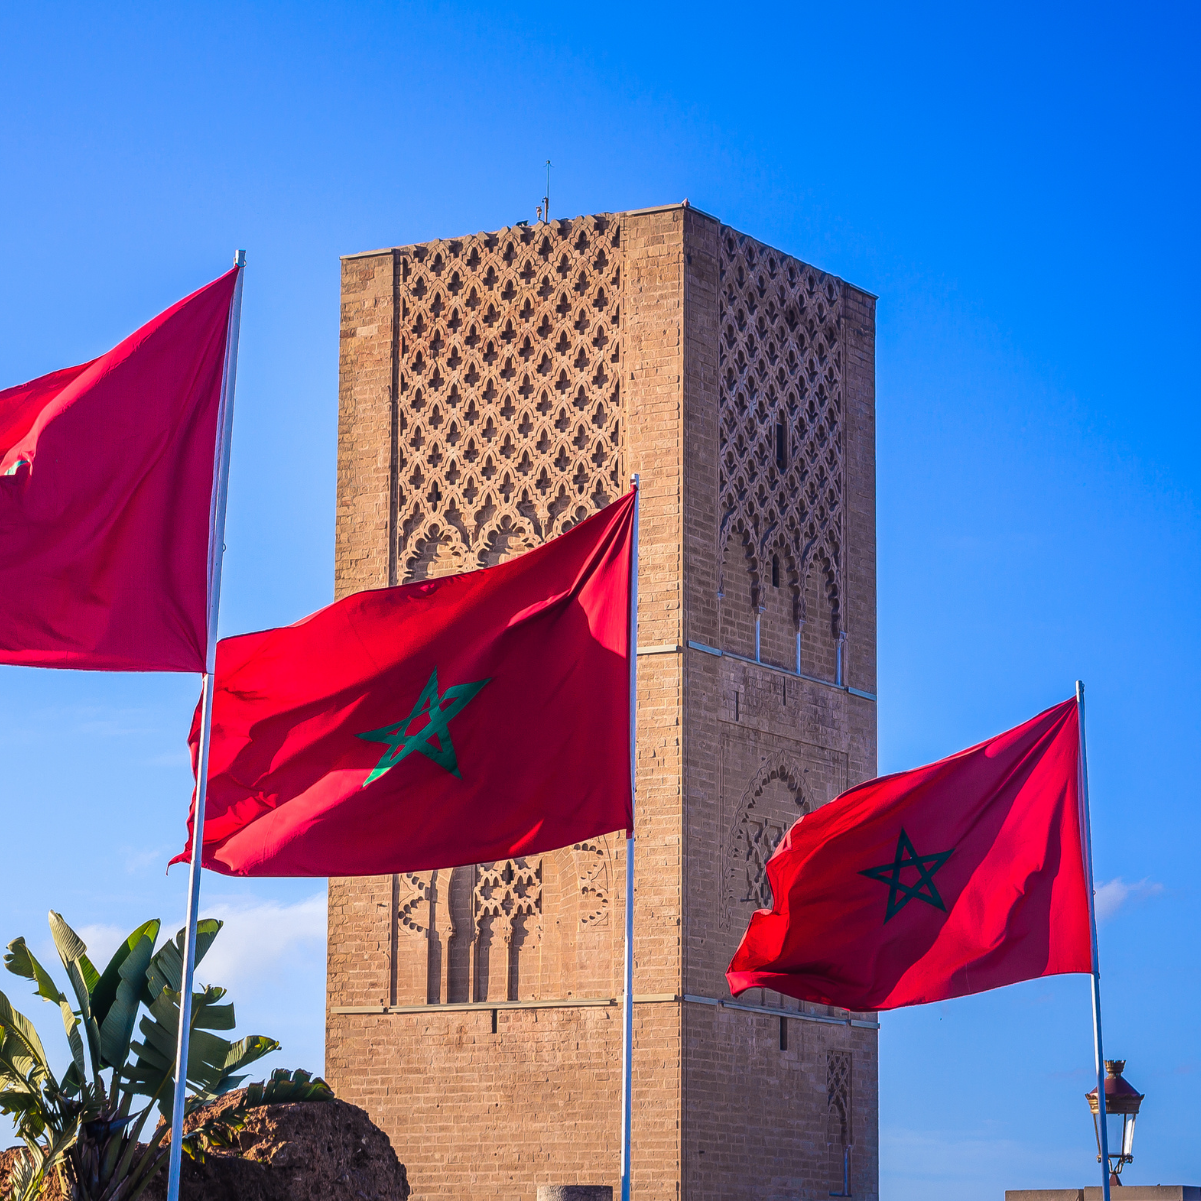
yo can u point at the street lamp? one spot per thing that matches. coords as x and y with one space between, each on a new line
1121 1108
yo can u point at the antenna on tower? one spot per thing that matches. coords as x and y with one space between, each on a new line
546 198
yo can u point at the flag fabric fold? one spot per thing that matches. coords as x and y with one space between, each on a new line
106 488
955 878
461 720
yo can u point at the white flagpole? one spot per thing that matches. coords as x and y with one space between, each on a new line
1098 1050
627 1017
225 422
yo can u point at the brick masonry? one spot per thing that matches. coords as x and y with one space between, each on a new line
494 389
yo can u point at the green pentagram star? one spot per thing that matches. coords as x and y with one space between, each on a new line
923 890
432 737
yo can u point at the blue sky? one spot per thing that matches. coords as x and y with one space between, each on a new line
1016 184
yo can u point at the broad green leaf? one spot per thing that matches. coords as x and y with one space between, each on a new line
68 944
28 1174
21 961
212 1017
166 968
105 992
243 1053
287 1086
71 1025
121 1011
19 1028
70 1083
91 977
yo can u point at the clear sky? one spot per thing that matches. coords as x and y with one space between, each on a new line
1014 181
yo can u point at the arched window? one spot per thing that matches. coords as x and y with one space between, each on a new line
781 447
775 571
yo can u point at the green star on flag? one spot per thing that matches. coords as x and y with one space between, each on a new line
432 737
923 890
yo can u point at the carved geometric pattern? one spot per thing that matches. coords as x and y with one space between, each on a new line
505 891
838 1097
761 839
780 417
414 903
592 870
754 836
509 421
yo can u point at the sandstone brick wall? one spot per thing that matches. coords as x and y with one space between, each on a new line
495 389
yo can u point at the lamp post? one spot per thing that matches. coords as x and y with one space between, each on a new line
1121 1108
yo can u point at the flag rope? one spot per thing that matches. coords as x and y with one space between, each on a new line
1098 1050
216 556
627 1021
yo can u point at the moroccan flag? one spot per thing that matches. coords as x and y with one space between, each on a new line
461 720
106 489
951 879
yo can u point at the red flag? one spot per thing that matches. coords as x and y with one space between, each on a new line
951 879
106 487
462 720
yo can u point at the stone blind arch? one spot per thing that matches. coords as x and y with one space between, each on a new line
753 835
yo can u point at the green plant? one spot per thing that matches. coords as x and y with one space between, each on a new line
283 1087
91 1119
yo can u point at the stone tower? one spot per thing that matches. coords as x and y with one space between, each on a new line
495 389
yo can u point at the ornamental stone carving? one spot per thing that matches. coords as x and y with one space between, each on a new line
593 861
838 1099
780 420
506 907
509 380
755 832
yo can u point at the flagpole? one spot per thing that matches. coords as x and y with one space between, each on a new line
627 1017
225 421
1098 1049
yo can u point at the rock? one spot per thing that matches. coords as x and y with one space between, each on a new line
305 1151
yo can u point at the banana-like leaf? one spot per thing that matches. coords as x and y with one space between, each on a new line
28 1174
207 1053
20 1045
83 977
71 1025
166 968
243 1053
21 961
70 1084
105 992
72 949
121 1012
213 1017
288 1086
28 1179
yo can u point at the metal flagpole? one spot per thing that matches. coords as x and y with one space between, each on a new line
1098 1050
627 1017
225 422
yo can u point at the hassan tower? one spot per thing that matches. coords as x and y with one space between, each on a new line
495 389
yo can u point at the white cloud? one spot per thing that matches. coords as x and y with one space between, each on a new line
1113 894
101 941
258 938
261 936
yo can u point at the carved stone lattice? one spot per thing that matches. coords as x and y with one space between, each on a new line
592 870
838 1098
505 892
509 421
755 833
780 418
